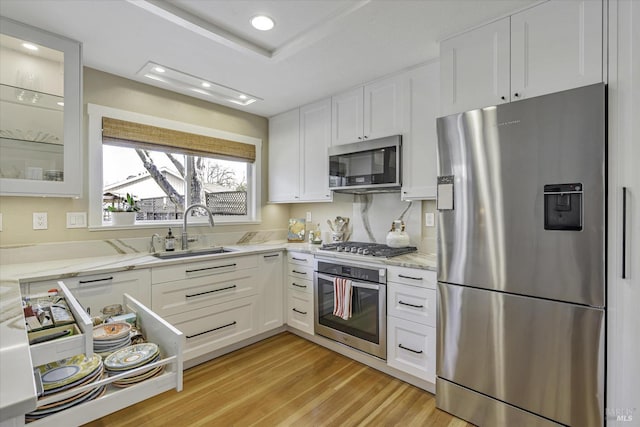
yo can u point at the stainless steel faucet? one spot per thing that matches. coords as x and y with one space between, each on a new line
185 238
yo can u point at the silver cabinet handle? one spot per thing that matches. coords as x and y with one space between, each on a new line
211 292
82 282
298 311
409 349
298 259
271 256
211 330
410 305
409 277
300 286
210 268
299 272
624 232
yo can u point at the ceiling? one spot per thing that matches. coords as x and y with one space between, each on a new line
317 48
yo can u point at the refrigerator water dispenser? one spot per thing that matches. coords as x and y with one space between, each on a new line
563 207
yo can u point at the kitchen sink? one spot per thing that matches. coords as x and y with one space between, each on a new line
192 252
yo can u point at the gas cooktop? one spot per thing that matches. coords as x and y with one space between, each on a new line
364 248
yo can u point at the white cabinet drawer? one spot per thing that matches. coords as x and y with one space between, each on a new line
301 285
300 258
208 329
411 347
61 348
300 272
412 276
183 296
413 303
202 268
300 310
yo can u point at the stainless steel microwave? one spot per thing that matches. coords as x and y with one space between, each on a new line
368 166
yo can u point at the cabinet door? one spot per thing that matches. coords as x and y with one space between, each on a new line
300 310
284 157
556 46
474 68
383 107
347 117
271 270
420 138
96 291
315 138
411 347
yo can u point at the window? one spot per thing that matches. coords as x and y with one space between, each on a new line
167 166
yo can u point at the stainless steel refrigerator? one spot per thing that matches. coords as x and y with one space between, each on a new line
521 261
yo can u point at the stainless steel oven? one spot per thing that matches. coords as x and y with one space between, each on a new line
366 328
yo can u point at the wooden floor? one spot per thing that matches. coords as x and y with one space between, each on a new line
287 381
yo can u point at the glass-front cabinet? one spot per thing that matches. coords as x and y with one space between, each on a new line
40 112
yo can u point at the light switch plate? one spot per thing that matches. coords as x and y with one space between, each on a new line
40 221
429 219
0 222
76 219
308 216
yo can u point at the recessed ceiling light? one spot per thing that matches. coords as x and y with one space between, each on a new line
29 46
206 84
262 23
158 69
242 96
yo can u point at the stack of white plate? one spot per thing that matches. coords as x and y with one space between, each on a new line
110 337
132 357
67 374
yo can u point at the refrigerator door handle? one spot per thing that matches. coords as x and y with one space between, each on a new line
624 232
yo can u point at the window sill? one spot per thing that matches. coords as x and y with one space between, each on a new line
173 224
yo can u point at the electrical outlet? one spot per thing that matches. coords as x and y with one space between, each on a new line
0 222
76 219
308 216
40 221
429 219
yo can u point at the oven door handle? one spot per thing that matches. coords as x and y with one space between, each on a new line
353 283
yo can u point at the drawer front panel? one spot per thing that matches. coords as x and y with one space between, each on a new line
206 330
411 347
300 258
412 276
170 273
300 311
186 295
412 303
300 272
300 285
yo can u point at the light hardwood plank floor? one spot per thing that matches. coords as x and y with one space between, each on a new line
285 381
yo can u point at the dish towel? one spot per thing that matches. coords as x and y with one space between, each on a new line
342 293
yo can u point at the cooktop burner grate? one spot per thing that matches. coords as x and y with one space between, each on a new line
371 249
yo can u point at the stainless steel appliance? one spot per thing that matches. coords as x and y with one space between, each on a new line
368 166
366 329
363 248
521 261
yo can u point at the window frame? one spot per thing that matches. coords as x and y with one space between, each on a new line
95 175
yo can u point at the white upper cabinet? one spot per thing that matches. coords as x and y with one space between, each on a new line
298 158
284 156
474 68
372 111
554 46
420 136
40 113
315 137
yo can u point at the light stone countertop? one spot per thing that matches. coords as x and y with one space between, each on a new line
17 393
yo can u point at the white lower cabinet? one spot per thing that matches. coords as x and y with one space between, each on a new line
411 321
300 301
271 272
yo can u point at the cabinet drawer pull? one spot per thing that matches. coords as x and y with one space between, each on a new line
298 259
624 232
410 349
210 268
410 305
298 311
211 330
409 277
271 256
82 282
298 272
211 292
299 286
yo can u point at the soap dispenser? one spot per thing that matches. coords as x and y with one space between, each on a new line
170 242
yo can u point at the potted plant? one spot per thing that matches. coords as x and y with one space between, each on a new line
125 212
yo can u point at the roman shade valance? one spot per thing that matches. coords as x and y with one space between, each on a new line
121 131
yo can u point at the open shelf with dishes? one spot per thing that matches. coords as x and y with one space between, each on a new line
72 400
